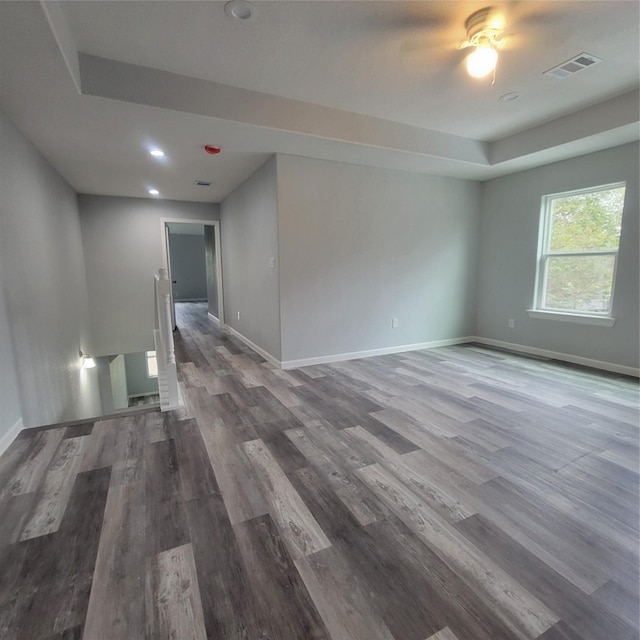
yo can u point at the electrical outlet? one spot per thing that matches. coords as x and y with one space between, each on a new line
272 263
238 315
394 323
512 323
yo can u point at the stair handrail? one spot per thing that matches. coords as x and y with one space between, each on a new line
163 339
163 315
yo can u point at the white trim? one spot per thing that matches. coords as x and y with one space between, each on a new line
509 346
10 436
545 253
144 395
217 239
556 355
266 355
213 318
600 321
339 357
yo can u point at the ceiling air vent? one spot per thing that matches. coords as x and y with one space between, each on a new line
202 183
568 68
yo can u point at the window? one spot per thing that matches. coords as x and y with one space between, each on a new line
152 364
578 251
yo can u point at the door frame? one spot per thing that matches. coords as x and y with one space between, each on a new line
164 222
172 304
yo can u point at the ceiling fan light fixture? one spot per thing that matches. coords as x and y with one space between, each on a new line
482 61
485 35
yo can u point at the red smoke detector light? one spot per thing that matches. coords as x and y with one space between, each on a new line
211 149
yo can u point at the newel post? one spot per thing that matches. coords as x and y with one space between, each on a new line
164 315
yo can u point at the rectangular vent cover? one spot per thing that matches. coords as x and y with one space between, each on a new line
202 183
568 68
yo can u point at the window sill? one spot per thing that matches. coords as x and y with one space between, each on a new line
598 321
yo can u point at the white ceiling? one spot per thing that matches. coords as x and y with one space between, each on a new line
378 83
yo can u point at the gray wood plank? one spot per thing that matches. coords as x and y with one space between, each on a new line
523 613
57 485
173 605
445 634
298 528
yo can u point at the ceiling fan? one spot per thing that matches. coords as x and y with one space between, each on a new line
488 30
485 33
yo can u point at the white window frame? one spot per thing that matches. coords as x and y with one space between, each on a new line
153 356
540 310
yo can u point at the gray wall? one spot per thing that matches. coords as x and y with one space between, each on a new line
212 269
138 382
118 375
45 291
360 245
509 239
10 410
249 239
123 250
188 267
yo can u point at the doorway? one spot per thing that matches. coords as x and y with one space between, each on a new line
191 254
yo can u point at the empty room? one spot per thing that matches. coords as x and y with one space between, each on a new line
319 320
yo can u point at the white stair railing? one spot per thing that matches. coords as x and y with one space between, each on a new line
163 339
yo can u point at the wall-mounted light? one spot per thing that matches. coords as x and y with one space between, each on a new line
87 361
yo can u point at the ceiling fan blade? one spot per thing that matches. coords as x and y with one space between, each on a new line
520 14
423 43
398 17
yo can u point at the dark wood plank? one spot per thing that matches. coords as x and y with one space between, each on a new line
52 574
196 474
285 607
228 603
166 525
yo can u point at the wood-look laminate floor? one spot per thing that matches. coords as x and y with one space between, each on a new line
452 494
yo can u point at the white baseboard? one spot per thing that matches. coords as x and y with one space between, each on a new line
509 346
556 355
265 354
353 355
212 317
10 435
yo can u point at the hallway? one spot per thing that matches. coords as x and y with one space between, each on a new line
458 493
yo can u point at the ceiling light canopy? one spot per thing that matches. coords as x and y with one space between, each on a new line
484 33
153 192
509 97
157 153
239 9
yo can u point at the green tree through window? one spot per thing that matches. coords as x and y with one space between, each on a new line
579 249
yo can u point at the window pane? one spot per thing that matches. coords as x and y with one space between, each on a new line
579 283
587 221
152 364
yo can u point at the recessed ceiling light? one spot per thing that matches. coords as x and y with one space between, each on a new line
239 9
509 97
158 153
153 192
